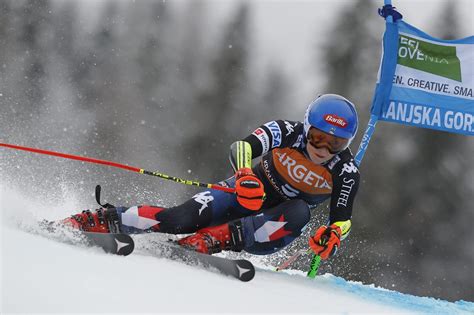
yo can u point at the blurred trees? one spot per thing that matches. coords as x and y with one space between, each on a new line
219 104
155 87
25 32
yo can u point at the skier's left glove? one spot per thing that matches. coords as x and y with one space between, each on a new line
326 241
249 189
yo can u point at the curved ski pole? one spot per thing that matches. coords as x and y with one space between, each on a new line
118 165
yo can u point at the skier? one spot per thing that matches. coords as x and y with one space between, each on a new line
302 165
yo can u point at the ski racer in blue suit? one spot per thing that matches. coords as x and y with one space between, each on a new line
302 165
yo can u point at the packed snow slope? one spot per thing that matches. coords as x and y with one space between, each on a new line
41 275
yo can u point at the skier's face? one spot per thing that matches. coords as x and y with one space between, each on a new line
318 155
319 139
323 146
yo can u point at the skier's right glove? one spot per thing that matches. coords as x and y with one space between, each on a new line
249 189
326 241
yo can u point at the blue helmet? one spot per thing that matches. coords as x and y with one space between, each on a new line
332 114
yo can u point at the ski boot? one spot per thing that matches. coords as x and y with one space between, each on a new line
102 221
215 239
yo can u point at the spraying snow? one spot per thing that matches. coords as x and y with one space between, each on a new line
43 275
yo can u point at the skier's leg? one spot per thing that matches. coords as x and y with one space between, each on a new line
260 234
210 207
207 208
137 219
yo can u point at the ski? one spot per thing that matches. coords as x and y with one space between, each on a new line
123 245
240 269
112 243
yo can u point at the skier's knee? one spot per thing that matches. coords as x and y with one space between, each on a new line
177 220
275 228
295 213
188 217
299 213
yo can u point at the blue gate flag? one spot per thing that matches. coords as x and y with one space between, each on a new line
424 81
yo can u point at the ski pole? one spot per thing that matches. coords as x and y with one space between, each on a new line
314 266
292 259
118 165
316 260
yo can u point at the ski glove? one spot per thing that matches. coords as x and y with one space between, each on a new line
249 189
326 241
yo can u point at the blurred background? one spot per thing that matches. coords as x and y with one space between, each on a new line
169 85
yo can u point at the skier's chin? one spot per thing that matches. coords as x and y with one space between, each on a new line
318 160
319 156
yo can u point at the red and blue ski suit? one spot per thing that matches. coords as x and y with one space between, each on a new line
293 185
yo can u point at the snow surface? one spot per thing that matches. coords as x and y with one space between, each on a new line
41 275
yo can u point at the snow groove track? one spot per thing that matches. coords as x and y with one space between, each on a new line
43 275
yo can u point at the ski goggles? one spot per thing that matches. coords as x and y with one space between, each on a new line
320 139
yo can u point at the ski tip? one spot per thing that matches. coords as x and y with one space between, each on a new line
245 269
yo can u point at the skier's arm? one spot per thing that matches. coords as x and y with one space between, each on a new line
346 179
327 239
248 188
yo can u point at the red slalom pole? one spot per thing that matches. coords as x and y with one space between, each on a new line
117 165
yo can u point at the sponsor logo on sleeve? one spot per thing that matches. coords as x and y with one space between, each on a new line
289 128
349 168
258 132
347 185
345 192
276 133
263 138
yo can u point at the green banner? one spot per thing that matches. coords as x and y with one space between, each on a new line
432 58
